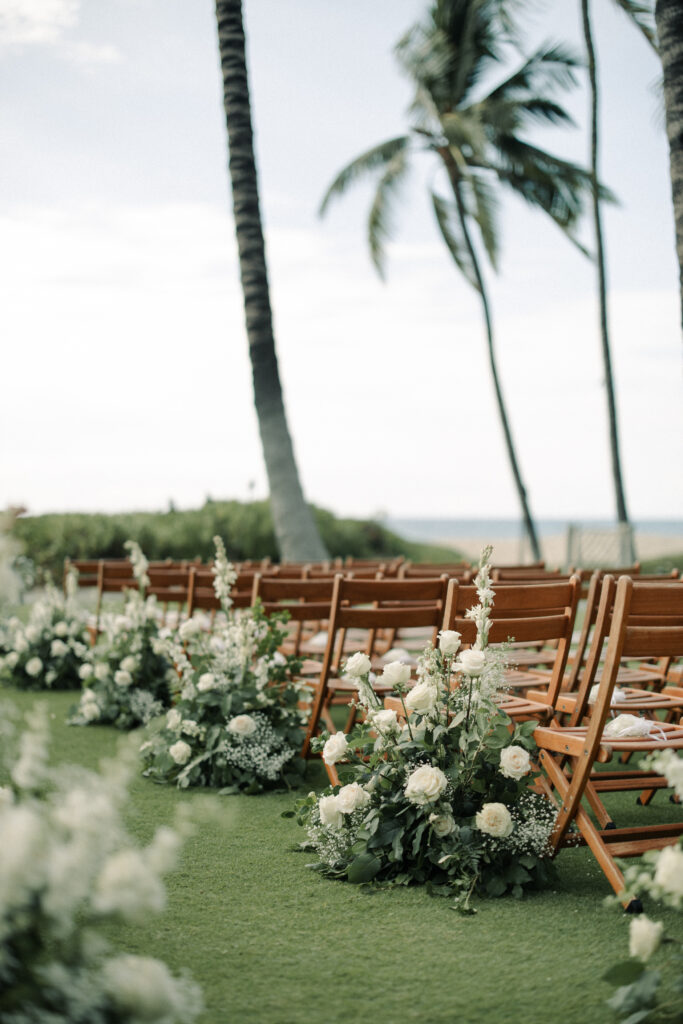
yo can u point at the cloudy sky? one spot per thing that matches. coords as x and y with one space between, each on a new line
127 382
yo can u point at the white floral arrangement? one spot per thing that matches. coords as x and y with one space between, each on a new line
440 796
643 990
46 653
126 677
236 723
67 865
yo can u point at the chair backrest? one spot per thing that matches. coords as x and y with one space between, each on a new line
87 570
656 605
373 605
639 620
201 593
169 586
527 612
513 574
306 601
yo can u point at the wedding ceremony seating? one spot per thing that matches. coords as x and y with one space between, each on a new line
646 621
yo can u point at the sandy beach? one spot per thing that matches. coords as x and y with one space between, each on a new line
511 550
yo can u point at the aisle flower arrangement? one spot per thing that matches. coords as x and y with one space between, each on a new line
67 865
650 983
236 724
127 679
47 652
444 798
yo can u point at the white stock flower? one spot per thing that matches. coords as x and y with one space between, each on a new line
128 886
514 762
58 649
20 644
471 663
494 820
358 665
85 671
143 989
189 628
385 721
425 785
206 682
123 678
396 674
90 710
669 870
101 671
129 664
32 633
443 824
242 726
173 719
190 727
11 659
61 629
644 937
351 797
180 752
34 667
449 642
422 698
328 808
335 748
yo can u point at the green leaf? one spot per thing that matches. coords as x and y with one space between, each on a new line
624 972
363 868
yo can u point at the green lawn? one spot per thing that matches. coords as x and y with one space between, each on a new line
274 943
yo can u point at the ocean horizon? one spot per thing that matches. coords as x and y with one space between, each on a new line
426 529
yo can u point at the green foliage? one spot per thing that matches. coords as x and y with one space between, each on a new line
247 529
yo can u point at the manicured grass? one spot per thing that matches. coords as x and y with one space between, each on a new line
274 943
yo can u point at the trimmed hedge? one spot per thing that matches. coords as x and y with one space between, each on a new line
246 528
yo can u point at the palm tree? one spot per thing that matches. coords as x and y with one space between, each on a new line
641 15
476 136
669 20
295 529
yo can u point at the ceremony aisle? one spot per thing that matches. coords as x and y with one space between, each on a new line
272 942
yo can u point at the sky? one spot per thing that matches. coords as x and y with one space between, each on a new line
127 382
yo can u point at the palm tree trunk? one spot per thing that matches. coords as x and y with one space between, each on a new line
669 19
297 535
622 514
529 524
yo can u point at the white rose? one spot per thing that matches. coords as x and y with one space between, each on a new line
180 752
351 797
206 682
397 654
101 671
90 710
20 644
396 674
61 629
32 633
425 785
514 762
495 820
129 664
85 671
123 678
422 698
449 642
471 662
443 824
644 937
11 659
385 721
669 870
335 748
34 667
358 665
173 719
242 725
50 677
328 809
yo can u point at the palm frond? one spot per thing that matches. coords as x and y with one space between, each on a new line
451 230
375 158
643 16
550 67
379 219
483 206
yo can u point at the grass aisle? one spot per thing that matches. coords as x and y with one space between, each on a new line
274 943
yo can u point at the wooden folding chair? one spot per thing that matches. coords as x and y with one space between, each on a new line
647 621
170 586
370 605
202 596
305 601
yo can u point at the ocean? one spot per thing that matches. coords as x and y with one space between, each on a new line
431 530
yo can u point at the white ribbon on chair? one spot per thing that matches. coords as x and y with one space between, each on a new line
632 727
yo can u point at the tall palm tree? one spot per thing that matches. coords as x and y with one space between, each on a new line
476 136
295 529
642 16
669 19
